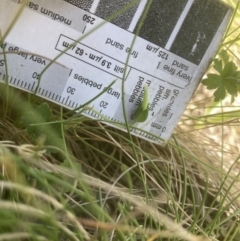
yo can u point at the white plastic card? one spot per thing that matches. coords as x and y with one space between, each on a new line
166 45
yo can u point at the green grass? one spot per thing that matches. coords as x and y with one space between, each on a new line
78 179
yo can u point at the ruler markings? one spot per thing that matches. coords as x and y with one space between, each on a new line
67 100
33 86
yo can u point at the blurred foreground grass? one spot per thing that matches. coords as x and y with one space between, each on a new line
78 179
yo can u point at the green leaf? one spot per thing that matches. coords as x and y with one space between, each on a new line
231 80
56 142
44 111
224 56
236 75
220 93
228 70
28 118
212 81
231 85
40 114
141 113
227 79
51 132
218 65
231 88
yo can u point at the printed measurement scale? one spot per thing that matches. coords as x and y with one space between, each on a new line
169 53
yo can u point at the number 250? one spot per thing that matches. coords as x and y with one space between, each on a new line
88 19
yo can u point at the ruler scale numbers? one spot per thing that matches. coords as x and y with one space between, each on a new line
161 57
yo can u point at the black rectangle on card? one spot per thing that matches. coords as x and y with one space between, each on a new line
198 29
107 8
84 4
160 20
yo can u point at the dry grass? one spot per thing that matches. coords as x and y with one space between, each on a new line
101 186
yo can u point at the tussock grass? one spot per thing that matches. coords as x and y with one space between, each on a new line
97 184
